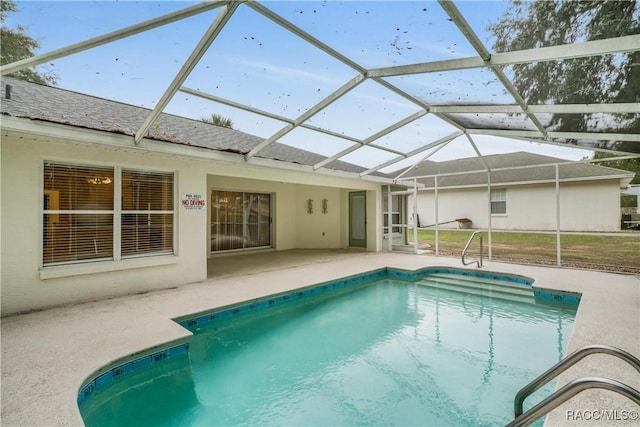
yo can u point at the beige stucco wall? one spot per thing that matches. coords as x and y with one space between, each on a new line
318 230
584 206
26 285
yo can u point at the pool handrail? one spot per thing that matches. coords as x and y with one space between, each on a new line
569 390
574 387
464 251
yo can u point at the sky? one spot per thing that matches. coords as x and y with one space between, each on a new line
256 62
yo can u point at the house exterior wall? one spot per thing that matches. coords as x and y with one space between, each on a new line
26 285
294 227
584 206
318 230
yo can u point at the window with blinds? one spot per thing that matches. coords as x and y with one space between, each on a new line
498 200
82 220
240 220
147 213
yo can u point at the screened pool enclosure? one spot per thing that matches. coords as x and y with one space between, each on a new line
365 89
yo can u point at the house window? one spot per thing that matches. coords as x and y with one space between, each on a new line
240 220
84 220
147 213
498 201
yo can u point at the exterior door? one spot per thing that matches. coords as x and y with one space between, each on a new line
358 219
240 220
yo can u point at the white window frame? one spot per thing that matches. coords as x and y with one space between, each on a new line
498 195
120 211
117 221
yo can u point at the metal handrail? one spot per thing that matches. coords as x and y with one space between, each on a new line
565 364
464 251
568 391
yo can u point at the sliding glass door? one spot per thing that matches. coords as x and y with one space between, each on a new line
240 220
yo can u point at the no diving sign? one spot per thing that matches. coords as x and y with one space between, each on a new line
193 201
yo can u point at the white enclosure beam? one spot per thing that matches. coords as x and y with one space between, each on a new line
305 36
465 28
595 136
201 48
409 119
506 168
633 108
416 101
428 67
551 53
340 57
333 53
614 158
253 110
570 51
484 53
263 113
336 156
475 148
440 141
372 138
578 147
234 104
340 92
110 37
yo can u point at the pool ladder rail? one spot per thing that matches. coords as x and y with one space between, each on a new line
574 387
466 248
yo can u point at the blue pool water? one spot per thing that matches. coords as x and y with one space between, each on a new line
391 352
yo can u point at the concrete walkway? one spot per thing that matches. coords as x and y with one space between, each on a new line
47 355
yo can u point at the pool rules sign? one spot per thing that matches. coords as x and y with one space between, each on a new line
193 201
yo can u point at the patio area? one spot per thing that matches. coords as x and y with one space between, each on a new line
46 355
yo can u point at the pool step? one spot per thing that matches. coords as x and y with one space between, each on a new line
455 278
488 287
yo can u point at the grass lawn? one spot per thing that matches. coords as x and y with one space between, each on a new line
610 252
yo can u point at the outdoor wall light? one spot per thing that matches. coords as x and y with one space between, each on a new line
310 206
325 206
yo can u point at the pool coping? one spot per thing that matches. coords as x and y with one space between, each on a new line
142 323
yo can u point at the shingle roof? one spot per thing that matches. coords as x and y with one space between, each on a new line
52 104
569 171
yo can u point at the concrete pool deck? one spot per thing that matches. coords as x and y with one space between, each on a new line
48 355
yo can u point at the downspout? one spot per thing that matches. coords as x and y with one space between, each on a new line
436 206
389 216
415 216
489 214
558 256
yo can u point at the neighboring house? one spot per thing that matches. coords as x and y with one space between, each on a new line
520 199
631 209
87 213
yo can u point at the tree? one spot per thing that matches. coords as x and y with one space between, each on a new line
631 165
597 79
17 45
218 120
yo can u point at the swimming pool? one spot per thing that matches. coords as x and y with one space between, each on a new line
370 350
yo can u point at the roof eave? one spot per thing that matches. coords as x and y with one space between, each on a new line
70 133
